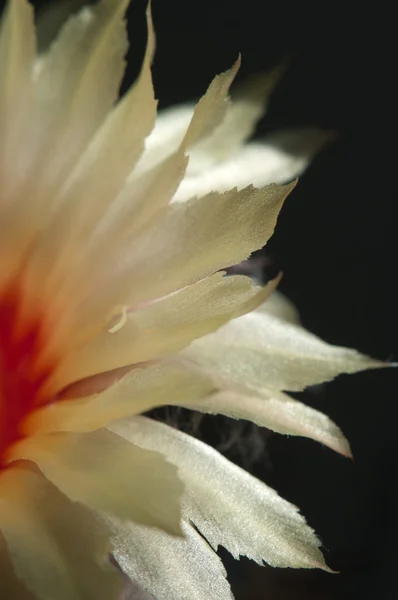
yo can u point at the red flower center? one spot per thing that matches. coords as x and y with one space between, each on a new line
22 379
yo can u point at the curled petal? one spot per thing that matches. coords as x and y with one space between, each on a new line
143 388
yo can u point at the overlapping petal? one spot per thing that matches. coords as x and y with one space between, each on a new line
106 473
57 548
228 506
143 388
276 411
260 350
170 567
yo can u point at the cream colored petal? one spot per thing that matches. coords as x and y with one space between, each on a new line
281 158
87 196
140 390
187 125
57 547
170 568
167 135
77 82
139 205
228 506
241 116
154 182
106 473
17 52
165 326
249 101
278 412
10 586
192 241
259 351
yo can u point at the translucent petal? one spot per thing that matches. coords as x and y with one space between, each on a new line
164 327
77 82
141 203
107 473
279 306
88 196
278 412
228 506
140 390
58 549
192 241
281 158
177 568
260 351
188 125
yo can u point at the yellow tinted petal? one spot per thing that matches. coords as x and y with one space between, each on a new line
78 81
165 326
248 103
186 126
58 549
141 390
87 198
108 474
17 53
192 241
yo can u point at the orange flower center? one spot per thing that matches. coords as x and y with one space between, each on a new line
22 379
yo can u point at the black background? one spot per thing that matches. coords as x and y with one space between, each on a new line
336 243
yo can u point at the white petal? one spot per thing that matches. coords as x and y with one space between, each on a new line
187 125
57 547
228 506
249 101
281 158
106 473
278 412
259 351
170 568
